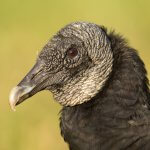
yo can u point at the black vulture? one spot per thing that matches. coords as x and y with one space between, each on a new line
101 83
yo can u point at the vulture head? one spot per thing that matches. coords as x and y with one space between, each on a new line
100 81
74 65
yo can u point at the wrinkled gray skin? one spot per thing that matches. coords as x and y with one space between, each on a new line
72 80
77 79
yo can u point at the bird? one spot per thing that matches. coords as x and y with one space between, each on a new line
100 81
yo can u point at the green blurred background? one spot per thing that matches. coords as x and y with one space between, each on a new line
25 26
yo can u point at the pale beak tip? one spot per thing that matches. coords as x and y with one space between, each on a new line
17 93
14 97
13 108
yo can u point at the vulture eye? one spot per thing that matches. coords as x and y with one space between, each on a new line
72 52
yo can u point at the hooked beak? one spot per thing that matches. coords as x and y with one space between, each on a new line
32 83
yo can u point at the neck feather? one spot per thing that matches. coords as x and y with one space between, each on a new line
126 93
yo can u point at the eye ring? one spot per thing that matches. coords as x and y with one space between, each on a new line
72 52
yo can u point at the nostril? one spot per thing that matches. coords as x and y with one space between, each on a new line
32 76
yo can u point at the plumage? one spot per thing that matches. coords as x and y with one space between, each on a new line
101 83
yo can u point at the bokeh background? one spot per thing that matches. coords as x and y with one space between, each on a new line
25 26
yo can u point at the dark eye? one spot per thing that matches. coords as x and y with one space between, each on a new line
72 52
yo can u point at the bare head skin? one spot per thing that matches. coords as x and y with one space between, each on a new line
74 65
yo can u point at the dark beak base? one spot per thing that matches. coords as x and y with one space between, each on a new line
30 85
